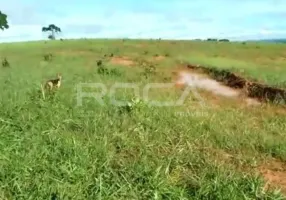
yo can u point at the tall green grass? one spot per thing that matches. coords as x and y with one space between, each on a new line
53 149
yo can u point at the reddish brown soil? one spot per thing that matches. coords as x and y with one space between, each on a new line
122 61
140 45
158 58
274 173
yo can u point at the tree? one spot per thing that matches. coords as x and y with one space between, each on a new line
212 39
3 21
224 40
53 29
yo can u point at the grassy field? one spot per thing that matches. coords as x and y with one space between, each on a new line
54 149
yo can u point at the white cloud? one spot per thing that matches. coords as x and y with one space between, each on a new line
183 20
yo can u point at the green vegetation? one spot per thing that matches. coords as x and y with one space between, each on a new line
53 30
3 21
53 149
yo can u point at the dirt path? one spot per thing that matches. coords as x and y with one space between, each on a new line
253 88
200 81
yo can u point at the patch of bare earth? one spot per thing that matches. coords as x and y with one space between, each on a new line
140 45
74 53
122 61
274 173
203 82
158 58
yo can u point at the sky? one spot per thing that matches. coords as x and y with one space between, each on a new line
168 19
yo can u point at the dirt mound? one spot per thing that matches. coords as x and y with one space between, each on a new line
228 78
122 61
264 92
251 88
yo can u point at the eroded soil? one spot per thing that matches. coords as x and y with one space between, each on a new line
122 61
201 81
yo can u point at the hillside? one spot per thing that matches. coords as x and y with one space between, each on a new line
282 40
214 145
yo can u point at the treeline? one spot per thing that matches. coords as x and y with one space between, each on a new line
215 40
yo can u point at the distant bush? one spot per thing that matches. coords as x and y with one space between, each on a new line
99 63
219 40
224 40
212 39
150 69
5 63
48 57
103 70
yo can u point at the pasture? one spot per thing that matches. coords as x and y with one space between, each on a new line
54 148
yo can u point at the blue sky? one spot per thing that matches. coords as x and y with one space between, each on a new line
169 19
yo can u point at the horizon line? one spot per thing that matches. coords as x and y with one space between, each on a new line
132 38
